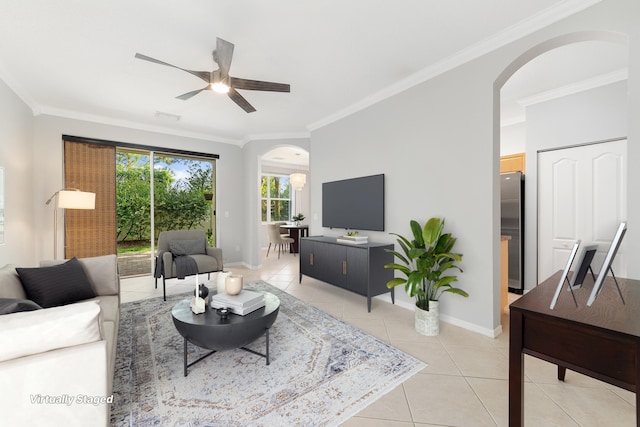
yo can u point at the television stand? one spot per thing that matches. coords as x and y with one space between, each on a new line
358 268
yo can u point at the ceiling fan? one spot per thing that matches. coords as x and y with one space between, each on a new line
220 81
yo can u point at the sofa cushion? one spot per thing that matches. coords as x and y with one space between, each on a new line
33 332
10 284
109 305
13 305
102 272
56 285
187 247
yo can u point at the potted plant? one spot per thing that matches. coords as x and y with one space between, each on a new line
298 218
423 261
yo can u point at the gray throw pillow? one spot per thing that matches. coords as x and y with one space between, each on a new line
13 305
56 285
187 247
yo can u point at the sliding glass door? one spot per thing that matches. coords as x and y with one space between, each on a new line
184 194
133 195
157 192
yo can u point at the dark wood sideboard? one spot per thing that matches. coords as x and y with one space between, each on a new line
358 268
601 341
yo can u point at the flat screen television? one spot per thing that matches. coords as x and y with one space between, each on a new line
356 203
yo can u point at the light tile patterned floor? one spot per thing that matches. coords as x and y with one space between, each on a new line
465 382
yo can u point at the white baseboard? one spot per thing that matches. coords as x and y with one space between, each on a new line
491 333
243 264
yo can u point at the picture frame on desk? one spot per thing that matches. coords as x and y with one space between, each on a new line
564 275
606 265
584 265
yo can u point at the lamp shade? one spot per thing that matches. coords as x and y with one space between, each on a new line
75 199
298 180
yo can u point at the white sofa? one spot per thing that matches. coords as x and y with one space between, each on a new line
57 364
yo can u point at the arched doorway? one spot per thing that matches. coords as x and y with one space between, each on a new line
279 199
555 60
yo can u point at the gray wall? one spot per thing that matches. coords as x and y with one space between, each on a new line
438 144
433 166
16 157
513 139
47 161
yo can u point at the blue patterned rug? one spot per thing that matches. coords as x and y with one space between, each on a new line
322 371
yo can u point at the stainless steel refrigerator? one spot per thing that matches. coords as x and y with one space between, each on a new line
512 224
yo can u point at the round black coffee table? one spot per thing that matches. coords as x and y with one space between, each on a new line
211 331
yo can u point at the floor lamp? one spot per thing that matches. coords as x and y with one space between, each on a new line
69 198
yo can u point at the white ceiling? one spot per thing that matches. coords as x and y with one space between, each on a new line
76 58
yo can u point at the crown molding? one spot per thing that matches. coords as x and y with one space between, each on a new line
294 167
19 90
523 28
592 83
272 136
70 114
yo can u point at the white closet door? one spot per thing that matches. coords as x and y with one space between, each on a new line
581 195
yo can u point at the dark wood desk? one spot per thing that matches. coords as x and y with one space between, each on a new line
296 232
601 341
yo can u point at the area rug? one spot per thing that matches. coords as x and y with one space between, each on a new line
322 371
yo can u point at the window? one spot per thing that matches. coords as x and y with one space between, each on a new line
179 195
275 198
128 214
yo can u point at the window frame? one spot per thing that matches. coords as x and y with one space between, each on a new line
269 198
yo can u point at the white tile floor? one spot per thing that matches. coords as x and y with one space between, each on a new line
465 382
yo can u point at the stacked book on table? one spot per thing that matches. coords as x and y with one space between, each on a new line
354 240
243 303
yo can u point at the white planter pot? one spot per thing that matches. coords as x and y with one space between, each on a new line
428 322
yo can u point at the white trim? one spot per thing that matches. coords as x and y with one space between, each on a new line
492 333
133 125
523 28
291 198
19 90
272 136
242 264
594 82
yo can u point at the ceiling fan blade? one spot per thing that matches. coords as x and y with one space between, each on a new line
259 85
239 99
193 93
204 75
223 55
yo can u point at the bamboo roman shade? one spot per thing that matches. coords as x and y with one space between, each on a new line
91 167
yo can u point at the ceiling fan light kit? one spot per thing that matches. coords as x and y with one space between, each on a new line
220 87
220 81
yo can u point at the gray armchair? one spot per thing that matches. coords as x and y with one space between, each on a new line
182 253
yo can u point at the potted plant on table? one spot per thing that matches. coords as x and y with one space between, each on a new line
298 218
423 261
